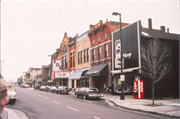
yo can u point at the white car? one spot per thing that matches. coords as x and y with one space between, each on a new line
11 93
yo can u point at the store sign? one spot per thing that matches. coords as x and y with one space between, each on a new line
57 65
61 74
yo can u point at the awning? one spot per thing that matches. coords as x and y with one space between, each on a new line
125 70
78 75
100 70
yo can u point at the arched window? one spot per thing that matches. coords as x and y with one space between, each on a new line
65 50
64 58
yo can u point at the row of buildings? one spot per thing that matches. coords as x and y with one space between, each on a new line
91 60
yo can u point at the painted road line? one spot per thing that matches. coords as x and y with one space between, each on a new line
72 108
97 117
46 98
56 102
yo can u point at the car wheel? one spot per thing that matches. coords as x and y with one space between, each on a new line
60 93
77 95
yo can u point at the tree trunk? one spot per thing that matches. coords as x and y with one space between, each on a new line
153 92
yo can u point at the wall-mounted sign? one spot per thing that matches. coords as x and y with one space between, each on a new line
61 74
57 65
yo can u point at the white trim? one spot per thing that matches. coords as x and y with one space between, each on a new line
139 50
100 44
72 51
124 70
101 60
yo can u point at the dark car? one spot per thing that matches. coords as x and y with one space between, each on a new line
37 86
62 90
52 89
89 93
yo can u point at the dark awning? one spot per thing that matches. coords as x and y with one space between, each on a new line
100 70
78 75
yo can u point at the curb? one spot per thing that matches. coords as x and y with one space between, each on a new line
15 114
141 110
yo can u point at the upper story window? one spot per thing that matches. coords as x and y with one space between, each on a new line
106 50
74 59
65 50
105 35
87 55
93 54
99 53
64 58
81 57
71 60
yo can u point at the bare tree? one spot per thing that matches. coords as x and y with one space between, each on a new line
154 65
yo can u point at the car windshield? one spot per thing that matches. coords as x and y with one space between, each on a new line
93 89
64 88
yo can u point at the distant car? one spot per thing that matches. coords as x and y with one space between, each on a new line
26 86
88 93
47 88
52 89
37 86
11 93
42 88
62 90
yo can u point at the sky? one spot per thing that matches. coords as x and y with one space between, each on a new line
33 29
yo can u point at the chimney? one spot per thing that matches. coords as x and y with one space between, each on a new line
65 34
101 22
150 23
162 29
167 30
76 35
90 27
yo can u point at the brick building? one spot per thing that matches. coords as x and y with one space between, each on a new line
100 53
82 62
65 61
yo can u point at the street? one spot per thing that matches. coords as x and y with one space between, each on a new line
44 105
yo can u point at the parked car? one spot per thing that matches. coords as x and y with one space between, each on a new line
62 90
26 86
89 93
47 88
11 93
37 86
52 89
42 88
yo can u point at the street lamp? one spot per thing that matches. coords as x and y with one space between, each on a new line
116 13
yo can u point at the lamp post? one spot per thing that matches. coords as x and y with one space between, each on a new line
116 13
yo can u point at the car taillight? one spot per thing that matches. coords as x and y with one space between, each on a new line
91 94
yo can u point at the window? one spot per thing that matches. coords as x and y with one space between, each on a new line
99 53
64 62
93 52
71 60
81 57
74 59
106 50
99 38
87 55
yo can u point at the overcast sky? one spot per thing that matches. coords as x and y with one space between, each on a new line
32 30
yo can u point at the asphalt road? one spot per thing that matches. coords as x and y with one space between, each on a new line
44 105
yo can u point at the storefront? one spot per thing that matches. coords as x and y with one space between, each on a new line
131 60
79 79
61 78
99 75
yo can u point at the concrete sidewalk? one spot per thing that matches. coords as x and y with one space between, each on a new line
9 113
168 107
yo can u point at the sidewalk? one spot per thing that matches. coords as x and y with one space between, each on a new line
168 107
9 113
